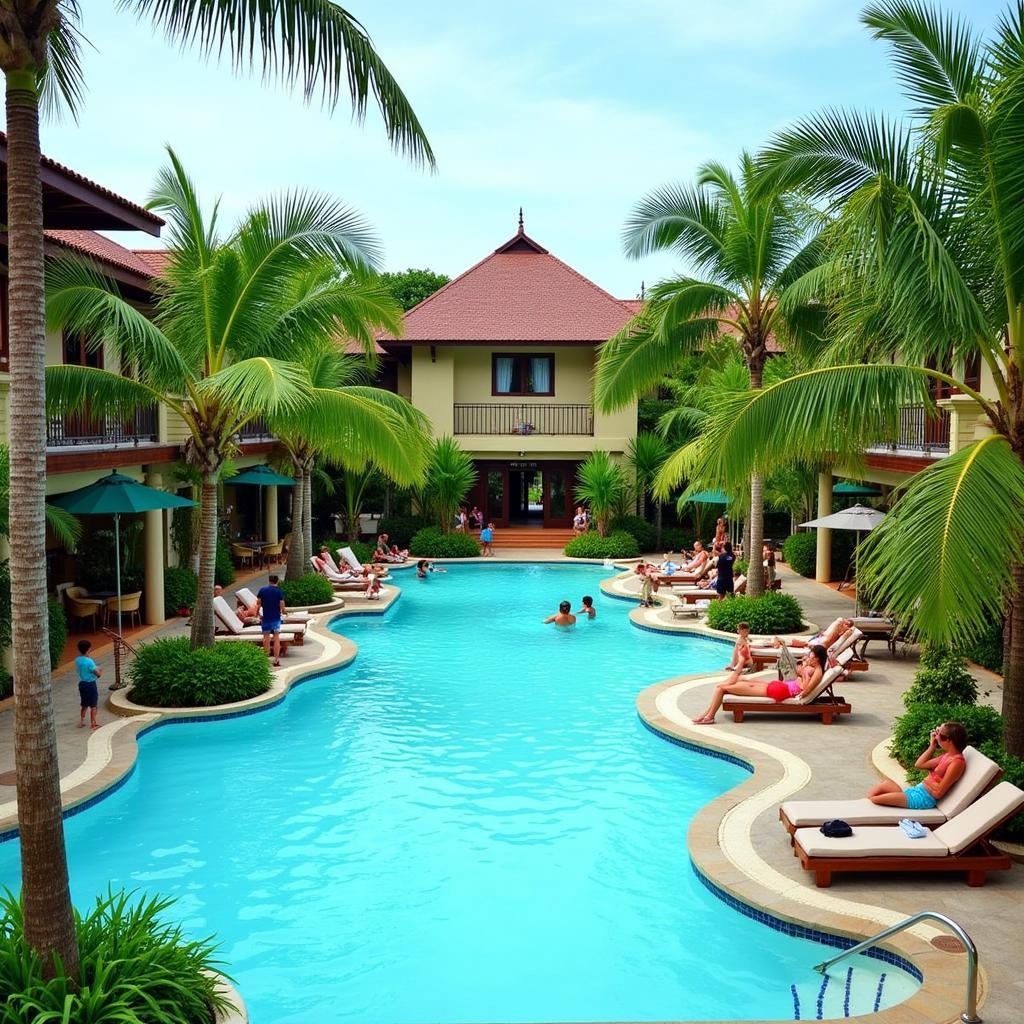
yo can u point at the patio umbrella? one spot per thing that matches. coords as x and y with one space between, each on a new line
859 518
261 476
709 498
116 495
852 490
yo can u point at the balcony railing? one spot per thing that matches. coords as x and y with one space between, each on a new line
255 430
523 419
920 431
67 430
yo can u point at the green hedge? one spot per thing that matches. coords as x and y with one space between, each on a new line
942 679
307 590
1013 771
135 966
987 650
591 545
402 529
362 550
167 673
58 630
224 567
768 614
800 551
675 538
180 589
432 542
643 533
911 731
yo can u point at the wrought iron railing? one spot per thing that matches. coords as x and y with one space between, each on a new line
66 430
255 430
921 430
523 418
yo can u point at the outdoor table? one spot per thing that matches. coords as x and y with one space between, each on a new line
102 595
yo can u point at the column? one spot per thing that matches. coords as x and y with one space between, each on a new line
270 514
823 563
153 543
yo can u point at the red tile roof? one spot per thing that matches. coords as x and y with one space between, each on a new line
354 348
89 243
155 259
100 189
522 294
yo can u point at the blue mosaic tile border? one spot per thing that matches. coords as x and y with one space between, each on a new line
721 755
802 932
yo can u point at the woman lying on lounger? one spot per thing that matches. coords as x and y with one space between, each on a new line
807 678
950 738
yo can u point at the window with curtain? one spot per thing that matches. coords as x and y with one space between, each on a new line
523 375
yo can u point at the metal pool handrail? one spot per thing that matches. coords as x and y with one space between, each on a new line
970 1013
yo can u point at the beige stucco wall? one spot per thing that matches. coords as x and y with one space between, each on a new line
573 367
405 380
433 386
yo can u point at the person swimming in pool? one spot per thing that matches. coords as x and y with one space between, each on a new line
564 616
588 608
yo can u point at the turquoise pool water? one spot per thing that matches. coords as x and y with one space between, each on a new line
469 823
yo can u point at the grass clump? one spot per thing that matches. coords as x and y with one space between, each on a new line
167 673
136 968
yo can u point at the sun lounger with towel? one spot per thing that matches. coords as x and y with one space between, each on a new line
232 625
961 844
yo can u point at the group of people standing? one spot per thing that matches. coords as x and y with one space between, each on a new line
474 520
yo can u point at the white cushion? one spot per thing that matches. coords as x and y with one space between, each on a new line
978 774
872 841
981 817
805 813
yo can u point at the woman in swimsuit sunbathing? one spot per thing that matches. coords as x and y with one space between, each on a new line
948 741
808 676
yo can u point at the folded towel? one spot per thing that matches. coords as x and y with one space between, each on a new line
913 829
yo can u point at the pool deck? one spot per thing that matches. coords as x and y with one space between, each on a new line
736 841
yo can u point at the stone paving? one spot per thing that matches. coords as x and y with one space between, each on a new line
839 758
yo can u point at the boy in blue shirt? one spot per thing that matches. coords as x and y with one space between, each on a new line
88 688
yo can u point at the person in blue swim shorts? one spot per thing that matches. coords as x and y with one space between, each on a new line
88 685
945 762
270 606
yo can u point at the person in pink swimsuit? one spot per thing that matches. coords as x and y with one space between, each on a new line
809 675
943 771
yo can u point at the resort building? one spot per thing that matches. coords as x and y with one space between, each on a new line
502 359
79 449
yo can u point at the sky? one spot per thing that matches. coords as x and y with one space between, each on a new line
573 110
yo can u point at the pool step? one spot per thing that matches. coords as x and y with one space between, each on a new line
837 995
531 537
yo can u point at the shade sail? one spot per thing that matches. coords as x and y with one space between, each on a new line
261 476
117 494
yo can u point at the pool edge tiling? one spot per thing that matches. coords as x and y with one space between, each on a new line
718 840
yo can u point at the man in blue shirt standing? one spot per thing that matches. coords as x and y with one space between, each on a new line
270 603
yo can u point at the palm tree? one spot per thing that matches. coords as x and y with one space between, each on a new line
313 42
647 453
450 474
602 485
925 269
748 250
225 343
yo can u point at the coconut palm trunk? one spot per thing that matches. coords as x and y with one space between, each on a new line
307 509
49 920
1013 667
202 614
298 561
755 566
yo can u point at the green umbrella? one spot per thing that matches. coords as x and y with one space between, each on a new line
851 490
261 476
116 495
709 498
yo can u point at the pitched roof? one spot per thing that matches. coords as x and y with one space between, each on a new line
155 259
522 294
99 247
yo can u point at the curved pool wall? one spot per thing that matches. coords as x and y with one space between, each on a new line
469 822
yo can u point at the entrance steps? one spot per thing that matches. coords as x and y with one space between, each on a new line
530 537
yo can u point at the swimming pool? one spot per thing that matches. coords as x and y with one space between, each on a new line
468 823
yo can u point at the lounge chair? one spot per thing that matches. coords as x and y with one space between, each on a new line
980 774
821 701
874 627
342 581
693 594
232 625
248 598
961 844
348 556
766 657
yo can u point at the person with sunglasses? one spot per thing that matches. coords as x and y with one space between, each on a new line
949 739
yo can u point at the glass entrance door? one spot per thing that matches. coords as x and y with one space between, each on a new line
556 496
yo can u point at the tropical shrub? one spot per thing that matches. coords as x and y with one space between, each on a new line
591 545
942 679
224 567
741 566
400 529
1013 771
58 630
167 673
181 586
602 485
987 650
136 968
642 531
311 589
912 729
432 542
450 475
768 614
675 538
800 552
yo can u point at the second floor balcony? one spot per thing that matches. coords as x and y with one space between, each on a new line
523 419
69 430
920 432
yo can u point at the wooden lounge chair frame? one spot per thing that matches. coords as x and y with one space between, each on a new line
826 704
254 633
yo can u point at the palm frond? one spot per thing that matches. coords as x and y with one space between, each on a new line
60 79
98 393
940 560
313 43
677 217
258 387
